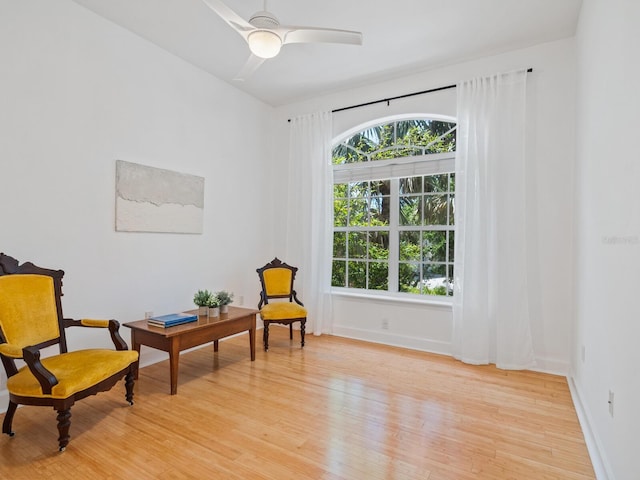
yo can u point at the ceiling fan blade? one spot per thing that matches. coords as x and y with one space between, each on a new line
236 22
318 35
251 66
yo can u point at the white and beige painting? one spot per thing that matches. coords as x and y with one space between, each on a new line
152 199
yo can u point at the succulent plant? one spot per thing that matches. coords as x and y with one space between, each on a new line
225 298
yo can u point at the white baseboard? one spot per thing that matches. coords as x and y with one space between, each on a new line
596 452
552 366
394 340
543 365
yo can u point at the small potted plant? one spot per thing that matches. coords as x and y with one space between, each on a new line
202 298
214 305
225 299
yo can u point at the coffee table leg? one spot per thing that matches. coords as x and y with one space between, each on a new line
174 357
215 345
135 346
252 342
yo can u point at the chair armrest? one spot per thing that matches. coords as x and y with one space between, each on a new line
47 380
112 325
11 351
262 301
295 297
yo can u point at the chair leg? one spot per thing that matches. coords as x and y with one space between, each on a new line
291 331
265 336
64 422
302 327
8 419
128 383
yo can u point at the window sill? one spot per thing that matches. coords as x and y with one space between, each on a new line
390 298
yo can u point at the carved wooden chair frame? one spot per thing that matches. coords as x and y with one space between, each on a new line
291 296
31 356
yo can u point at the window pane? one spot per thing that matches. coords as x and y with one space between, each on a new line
357 275
450 280
359 189
434 279
435 209
339 154
358 212
338 274
452 182
353 156
378 245
339 244
410 210
368 140
379 211
434 246
436 183
408 277
340 190
406 131
358 244
378 276
410 185
410 245
380 187
340 212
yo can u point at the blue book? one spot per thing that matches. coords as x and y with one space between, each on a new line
172 319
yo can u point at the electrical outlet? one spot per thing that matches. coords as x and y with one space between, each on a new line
148 314
610 403
385 324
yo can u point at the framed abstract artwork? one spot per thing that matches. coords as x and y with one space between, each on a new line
152 199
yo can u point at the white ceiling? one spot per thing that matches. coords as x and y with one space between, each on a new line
399 37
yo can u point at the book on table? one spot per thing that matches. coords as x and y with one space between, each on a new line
172 319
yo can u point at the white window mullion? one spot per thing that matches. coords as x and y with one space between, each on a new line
394 240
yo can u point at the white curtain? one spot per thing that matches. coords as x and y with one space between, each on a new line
310 216
490 302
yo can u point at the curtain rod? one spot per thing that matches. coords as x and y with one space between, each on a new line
387 100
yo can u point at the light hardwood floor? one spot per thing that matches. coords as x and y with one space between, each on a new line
338 409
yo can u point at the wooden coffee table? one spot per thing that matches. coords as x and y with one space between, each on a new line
206 329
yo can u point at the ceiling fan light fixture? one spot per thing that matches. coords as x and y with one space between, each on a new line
264 43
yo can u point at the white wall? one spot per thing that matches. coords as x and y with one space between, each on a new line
551 138
77 93
608 231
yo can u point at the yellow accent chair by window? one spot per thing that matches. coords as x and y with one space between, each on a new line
30 320
278 300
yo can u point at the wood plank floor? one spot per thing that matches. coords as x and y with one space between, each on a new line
338 409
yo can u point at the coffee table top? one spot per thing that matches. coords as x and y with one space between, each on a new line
203 322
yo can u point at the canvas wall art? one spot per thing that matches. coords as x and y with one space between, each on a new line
152 199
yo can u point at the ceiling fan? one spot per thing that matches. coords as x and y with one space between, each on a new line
265 36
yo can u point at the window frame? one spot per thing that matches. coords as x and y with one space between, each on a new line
396 168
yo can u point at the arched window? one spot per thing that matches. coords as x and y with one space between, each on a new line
394 191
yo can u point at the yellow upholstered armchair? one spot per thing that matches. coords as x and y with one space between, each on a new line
277 279
30 320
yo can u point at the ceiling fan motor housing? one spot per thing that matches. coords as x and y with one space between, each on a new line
264 20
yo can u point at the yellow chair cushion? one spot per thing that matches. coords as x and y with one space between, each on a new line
75 372
28 314
277 281
282 311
